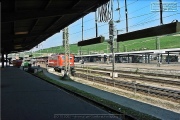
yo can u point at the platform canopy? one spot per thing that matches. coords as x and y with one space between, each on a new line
26 23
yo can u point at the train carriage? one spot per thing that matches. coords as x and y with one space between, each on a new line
57 61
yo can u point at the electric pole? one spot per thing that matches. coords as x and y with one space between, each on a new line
66 52
126 12
161 10
111 42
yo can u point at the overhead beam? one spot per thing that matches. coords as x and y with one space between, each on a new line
53 23
7 46
50 33
60 27
75 2
23 15
88 10
150 32
35 23
47 4
45 7
36 42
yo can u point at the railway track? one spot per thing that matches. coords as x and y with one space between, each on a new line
137 71
143 77
151 74
164 93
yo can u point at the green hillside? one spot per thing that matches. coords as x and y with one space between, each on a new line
132 45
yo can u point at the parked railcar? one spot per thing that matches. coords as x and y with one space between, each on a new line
57 61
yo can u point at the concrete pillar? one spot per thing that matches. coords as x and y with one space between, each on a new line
142 57
145 58
148 58
168 58
161 58
128 58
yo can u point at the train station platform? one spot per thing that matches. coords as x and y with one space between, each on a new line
26 97
136 105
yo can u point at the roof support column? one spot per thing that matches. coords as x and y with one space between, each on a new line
2 59
6 59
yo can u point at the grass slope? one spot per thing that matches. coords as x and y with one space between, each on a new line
131 45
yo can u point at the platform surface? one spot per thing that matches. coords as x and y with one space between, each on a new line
25 97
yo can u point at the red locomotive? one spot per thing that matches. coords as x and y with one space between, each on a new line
57 61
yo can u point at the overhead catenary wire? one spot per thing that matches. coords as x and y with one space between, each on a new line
138 9
121 20
89 29
139 22
107 24
146 22
149 17
138 16
130 3
150 21
81 23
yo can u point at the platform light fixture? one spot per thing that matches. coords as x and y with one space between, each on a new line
21 33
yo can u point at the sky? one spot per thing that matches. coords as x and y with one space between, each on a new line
141 14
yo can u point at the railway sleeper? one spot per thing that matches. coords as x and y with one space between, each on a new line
149 74
130 87
150 90
137 77
158 93
145 89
